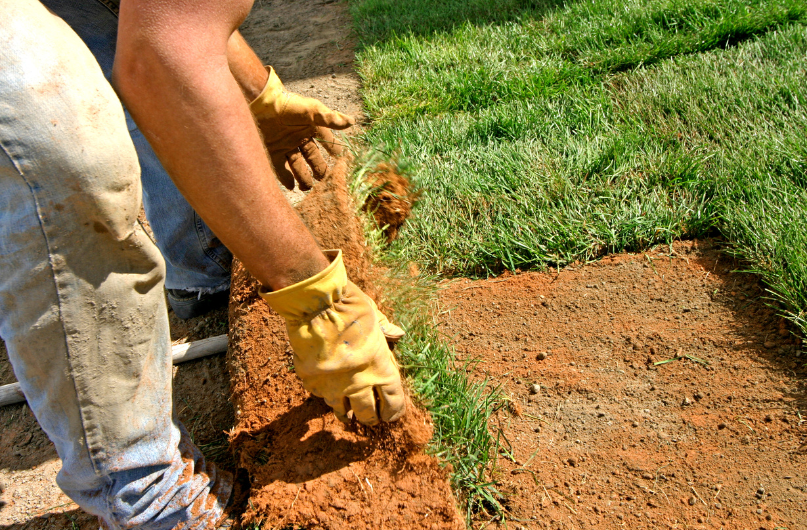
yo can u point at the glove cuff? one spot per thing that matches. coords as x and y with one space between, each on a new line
266 102
310 297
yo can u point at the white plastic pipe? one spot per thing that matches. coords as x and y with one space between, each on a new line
11 393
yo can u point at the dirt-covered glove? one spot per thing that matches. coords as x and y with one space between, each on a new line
340 351
392 332
290 123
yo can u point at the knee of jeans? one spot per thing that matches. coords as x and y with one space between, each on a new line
100 172
62 124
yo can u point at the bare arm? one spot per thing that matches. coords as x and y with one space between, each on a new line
245 66
172 71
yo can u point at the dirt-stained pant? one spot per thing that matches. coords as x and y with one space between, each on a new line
82 308
195 260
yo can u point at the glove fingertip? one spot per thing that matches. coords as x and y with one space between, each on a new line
282 172
392 402
340 408
335 120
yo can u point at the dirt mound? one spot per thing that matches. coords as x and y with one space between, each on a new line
307 468
391 200
667 394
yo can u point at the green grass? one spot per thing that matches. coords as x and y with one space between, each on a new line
544 133
459 408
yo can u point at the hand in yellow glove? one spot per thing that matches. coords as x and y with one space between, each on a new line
290 123
392 332
340 350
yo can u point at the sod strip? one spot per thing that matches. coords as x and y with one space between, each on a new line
470 67
460 409
605 161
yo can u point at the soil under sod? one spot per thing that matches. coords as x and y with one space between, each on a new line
307 469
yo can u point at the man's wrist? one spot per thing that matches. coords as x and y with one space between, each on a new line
246 67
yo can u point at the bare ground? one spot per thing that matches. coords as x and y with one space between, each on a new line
654 390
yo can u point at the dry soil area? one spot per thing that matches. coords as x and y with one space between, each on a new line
654 390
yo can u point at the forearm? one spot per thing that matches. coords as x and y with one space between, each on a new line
246 67
177 85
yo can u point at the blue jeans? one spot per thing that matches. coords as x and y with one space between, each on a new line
82 307
195 259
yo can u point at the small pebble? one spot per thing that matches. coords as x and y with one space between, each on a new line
541 356
635 423
769 344
685 402
700 520
647 476
692 501
769 517
572 462
333 76
768 418
698 396
761 491
534 388
759 511
721 425
718 506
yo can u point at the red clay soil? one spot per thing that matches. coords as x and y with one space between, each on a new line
613 436
306 468
391 200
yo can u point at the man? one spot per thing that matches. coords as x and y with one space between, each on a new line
81 286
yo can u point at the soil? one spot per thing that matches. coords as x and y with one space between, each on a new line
391 199
310 43
307 468
652 390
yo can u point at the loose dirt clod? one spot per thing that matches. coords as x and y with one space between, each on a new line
307 468
391 200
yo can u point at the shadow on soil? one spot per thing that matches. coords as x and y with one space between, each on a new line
201 392
72 520
297 458
760 331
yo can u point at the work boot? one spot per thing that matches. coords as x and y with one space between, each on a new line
189 304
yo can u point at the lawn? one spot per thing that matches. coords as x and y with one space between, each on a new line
543 133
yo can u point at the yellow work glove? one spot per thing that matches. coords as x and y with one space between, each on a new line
392 332
340 351
289 124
